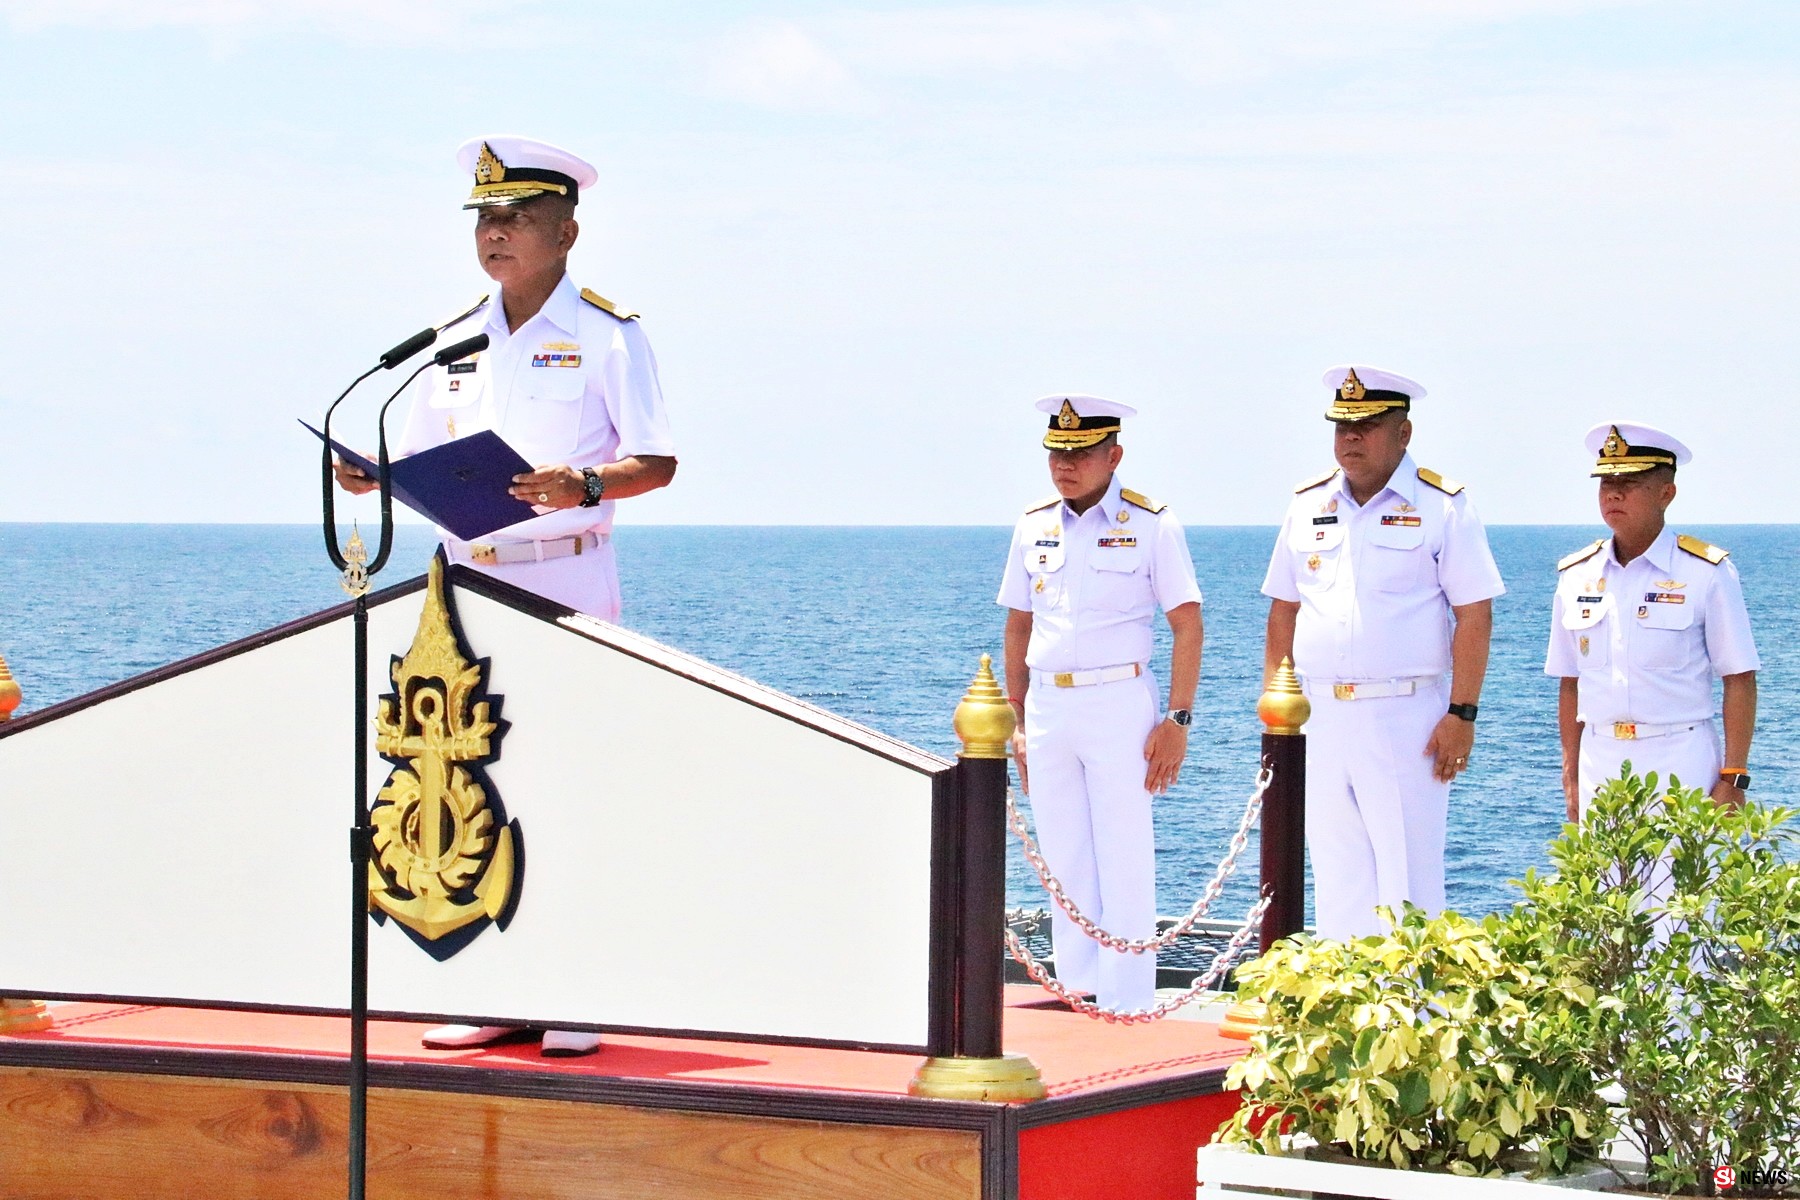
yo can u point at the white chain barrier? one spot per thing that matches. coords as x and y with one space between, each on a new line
1208 979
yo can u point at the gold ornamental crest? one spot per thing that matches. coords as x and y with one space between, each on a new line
1352 388
1614 446
488 167
446 861
1068 418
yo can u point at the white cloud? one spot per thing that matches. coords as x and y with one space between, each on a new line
359 21
782 67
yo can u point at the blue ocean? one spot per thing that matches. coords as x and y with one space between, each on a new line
885 626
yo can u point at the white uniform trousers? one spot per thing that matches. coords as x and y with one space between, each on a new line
1692 757
1084 750
587 582
1375 813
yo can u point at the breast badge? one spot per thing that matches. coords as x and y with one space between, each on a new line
1312 562
1039 585
446 860
1584 644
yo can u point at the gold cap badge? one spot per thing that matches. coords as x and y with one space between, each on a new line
1352 388
488 167
1068 418
1614 446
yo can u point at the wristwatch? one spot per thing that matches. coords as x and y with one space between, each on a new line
1737 779
593 486
1181 716
1465 711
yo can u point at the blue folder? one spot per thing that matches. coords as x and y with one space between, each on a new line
460 486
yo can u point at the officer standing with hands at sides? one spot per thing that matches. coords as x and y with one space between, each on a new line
1381 581
568 380
1641 623
1086 572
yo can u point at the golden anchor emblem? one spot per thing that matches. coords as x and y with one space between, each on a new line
445 858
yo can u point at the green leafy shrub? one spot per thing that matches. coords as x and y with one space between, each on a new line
1436 1045
1687 916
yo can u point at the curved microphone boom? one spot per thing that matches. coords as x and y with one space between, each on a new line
388 361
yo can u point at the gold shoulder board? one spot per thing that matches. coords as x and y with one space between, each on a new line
1448 486
1142 501
1580 556
1315 481
1041 505
1700 549
607 306
464 315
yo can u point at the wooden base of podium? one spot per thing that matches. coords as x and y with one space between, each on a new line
149 1103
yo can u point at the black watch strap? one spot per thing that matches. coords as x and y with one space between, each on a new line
1736 779
593 487
1465 711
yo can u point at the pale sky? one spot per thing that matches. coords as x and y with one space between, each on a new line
865 238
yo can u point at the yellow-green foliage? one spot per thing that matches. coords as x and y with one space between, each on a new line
1427 1047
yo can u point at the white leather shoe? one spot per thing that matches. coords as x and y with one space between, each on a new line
467 1037
564 1043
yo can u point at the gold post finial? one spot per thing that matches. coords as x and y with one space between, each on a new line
10 694
1284 708
984 720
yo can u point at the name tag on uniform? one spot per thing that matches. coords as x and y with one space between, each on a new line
1050 543
1393 519
556 360
1331 520
1589 599
1107 543
1665 597
462 368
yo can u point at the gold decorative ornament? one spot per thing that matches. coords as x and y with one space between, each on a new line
356 564
1006 1080
24 1016
1284 708
984 720
488 167
10 692
1068 418
445 860
1614 446
1352 388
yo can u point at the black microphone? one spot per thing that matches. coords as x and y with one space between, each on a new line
456 350
408 348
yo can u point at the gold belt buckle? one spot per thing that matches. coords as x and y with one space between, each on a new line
1063 679
1625 732
483 553
1344 691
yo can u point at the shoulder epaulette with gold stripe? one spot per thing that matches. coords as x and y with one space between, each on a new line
1142 501
1041 505
464 315
1315 481
1580 556
607 306
1447 486
1700 549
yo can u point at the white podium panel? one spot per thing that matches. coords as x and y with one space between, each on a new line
698 853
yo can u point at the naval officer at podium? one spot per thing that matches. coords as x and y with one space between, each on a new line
569 381
1087 570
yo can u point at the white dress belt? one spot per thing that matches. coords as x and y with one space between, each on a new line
493 554
1631 731
1374 689
1069 679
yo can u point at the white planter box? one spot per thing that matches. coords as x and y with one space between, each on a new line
1229 1172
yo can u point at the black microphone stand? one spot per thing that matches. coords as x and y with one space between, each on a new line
353 562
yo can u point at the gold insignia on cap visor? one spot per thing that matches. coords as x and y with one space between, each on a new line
1069 430
1356 401
497 183
1067 418
489 168
1352 388
1619 457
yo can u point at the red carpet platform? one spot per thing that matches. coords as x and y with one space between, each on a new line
134 1101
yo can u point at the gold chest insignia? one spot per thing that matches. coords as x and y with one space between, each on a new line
1584 645
1039 585
446 859
1404 507
1330 506
1668 585
1124 515
1067 418
488 167
1312 562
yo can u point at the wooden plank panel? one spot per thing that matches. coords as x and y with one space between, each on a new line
143 1137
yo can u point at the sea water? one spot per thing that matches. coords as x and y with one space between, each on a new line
885 626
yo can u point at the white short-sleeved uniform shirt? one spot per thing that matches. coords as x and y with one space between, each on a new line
1093 582
1376 582
574 385
1645 639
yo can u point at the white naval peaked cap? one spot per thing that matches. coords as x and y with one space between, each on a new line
508 169
1077 421
1628 447
1360 391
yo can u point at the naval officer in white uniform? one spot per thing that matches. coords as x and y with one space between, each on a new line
569 381
1642 623
1380 582
1087 570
